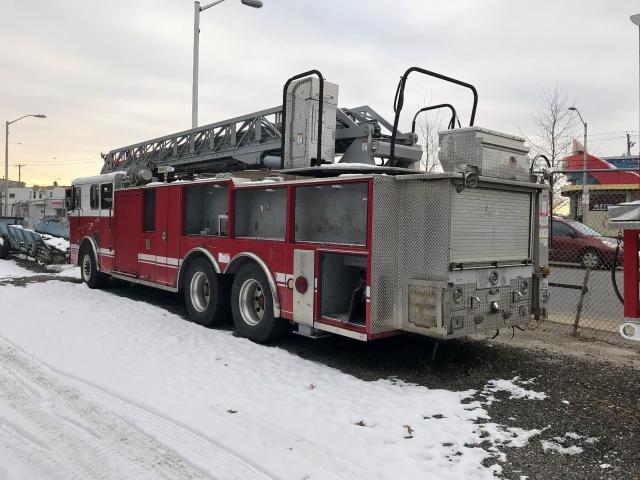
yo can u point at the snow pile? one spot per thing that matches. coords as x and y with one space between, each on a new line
515 391
510 436
56 242
553 446
557 444
215 399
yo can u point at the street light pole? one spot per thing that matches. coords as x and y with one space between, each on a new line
196 50
6 158
585 191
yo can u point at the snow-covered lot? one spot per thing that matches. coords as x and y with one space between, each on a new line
96 385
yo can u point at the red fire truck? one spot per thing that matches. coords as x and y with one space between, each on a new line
316 217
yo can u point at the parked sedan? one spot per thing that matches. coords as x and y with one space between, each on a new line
574 242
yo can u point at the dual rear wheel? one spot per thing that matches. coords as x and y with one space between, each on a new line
209 297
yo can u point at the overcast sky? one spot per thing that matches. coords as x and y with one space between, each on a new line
112 73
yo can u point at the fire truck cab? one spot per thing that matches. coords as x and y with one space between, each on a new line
365 250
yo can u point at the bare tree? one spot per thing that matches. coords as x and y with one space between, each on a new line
554 130
428 125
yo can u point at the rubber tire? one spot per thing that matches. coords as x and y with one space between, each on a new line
4 248
217 312
597 266
97 279
269 328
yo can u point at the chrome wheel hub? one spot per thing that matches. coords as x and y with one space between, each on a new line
200 291
86 267
251 299
590 260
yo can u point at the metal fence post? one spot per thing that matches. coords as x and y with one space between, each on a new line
583 292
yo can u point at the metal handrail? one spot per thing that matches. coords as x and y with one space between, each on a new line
398 102
452 122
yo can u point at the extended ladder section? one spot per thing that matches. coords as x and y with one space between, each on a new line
255 141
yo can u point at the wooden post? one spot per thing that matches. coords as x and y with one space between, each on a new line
583 292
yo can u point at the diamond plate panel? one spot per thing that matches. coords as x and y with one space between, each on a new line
301 131
410 239
386 290
495 154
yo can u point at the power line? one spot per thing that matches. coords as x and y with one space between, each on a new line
632 132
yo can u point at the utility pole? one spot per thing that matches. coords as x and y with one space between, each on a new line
20 165
6 157
630 144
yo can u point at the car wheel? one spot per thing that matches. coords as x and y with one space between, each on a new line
89 270
252 306
206 294
591 259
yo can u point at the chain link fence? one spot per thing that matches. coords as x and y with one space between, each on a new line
582 250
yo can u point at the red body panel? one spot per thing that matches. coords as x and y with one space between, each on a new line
128 220
156 256
631 307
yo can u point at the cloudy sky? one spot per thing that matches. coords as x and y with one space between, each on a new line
112 73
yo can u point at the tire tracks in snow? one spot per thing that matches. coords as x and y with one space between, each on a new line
56 431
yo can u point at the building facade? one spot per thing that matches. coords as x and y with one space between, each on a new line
604 188
37 202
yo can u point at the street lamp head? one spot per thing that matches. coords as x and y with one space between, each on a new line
574 109
252 3
40 115
636 19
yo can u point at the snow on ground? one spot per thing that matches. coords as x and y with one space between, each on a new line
93 384
548 445
65 270
515 391
9 269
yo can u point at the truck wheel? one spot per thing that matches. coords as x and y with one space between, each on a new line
206 294
591 260
89 270
252 306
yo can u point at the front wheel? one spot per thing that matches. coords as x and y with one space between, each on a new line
252 306
89 270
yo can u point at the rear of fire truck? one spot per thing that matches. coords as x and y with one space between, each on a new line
463 251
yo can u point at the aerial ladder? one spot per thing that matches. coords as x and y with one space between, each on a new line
310 131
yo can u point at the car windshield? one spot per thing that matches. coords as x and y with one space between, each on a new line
584 230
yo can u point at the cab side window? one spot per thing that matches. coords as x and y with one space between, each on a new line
106 196
76 198
94 197
149 212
